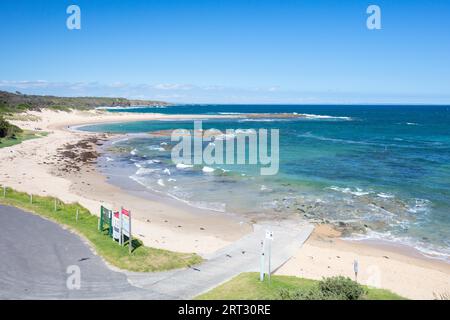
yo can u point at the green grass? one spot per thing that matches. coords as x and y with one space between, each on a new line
142 259
246 286
20 137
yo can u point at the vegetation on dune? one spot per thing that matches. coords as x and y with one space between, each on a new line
11 134
18 102
247 286
141 259
8 130
334 288
20 137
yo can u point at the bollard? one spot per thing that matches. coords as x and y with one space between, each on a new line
31 199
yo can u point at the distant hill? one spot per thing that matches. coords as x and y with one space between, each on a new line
18 102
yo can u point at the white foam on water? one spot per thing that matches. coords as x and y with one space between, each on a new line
385 195
208 169
420 206
156 148
119 140
213 206
143 171
166 171
161 182
318 116
428 250
184 166
356 191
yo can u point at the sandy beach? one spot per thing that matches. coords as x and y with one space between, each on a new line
39 166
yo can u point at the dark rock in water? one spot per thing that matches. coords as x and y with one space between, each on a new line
342 224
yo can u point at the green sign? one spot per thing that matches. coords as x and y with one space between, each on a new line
105 218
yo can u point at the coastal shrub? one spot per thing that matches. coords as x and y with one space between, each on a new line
8 130
341 286
334 288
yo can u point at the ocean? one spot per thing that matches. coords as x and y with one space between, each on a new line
375 172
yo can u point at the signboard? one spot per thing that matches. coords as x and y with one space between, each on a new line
269 235
116 226
105 218
126 222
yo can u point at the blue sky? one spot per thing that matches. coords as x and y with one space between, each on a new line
310 51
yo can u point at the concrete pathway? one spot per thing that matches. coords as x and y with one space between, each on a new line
35 255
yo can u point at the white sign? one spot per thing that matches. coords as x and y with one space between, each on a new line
126 222
116 225
269 235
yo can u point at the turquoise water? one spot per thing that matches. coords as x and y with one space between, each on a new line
375 171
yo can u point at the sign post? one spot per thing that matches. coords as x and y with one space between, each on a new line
261 269
130 238
4 191
121 226
269 237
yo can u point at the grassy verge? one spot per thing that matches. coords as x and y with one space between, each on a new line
142 259
247 286
20 137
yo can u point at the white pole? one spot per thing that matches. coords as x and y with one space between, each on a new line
130 238
76 219
55 204
261 267
4 191
270 254
121 226
31 198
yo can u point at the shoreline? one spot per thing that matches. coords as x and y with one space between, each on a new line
402 272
